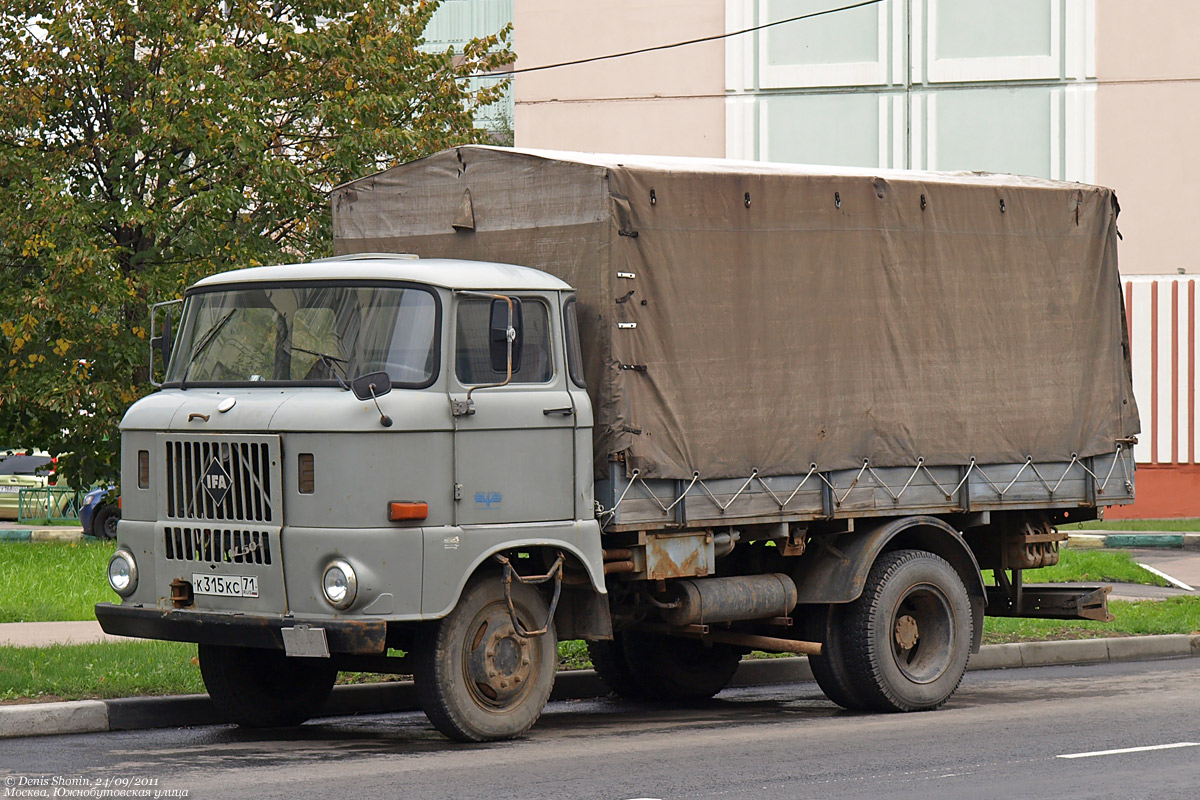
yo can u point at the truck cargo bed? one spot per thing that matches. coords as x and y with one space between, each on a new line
634 503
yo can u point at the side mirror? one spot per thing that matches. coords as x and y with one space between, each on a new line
505 328
373 384
371 387
162 341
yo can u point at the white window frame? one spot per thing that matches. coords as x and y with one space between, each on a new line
959 70
849 73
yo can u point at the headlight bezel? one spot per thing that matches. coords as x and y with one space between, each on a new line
125 556
349 587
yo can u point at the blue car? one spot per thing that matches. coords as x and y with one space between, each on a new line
100 512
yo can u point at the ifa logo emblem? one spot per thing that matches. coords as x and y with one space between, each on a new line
216 481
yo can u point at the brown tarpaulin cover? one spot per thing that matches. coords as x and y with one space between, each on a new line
789 316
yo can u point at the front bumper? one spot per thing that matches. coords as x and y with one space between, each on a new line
237 629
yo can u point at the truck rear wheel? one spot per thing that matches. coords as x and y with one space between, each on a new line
908 637
477 678
608 659
670 668
824 624
259 688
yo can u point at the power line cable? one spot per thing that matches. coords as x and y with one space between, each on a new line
672 44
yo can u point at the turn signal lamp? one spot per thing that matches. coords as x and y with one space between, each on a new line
399 511
143 469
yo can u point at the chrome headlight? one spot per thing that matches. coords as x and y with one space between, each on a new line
122 572
340 584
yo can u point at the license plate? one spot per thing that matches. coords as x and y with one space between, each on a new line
9 489
225 585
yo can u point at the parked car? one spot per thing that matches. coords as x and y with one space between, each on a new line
21 469
100 512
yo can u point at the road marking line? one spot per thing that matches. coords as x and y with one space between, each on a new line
1173 581
1130 750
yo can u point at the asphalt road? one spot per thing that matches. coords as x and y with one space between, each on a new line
1002 735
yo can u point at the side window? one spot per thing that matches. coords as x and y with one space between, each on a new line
472 363
571 332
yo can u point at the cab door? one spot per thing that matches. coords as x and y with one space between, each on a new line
514 453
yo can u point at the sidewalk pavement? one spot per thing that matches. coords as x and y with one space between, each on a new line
44 634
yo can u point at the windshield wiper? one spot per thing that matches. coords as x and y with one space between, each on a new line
203 344
331 362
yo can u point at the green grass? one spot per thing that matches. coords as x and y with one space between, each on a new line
1185 525
1077 565
111 669
573 654
1141 618
52 581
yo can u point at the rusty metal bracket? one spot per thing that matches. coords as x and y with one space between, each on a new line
555 573
794 544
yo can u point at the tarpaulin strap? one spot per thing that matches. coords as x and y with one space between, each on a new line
678 500
1001 492
610 513
837 501
555 573
736 495
1033 467
1074 461
812 469
951 493
896 495
1116 458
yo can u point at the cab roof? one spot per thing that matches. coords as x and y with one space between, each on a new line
448 273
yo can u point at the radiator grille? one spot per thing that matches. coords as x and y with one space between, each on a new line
248 473
217 546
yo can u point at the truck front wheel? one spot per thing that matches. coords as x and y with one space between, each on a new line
908 637
674 669
264 688
477 678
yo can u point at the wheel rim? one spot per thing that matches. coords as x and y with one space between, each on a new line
922 633
499 665
110 527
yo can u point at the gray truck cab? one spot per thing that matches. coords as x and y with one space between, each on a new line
337 450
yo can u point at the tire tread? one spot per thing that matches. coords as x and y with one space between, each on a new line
863 662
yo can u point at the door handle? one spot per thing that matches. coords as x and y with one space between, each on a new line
566 412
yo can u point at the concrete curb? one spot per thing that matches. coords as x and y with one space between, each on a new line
43 535
140 713
1125 540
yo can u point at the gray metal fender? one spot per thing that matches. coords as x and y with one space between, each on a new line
453 555
836 569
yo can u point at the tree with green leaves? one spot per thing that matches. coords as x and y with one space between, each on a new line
145 144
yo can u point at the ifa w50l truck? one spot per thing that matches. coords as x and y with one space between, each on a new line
681 409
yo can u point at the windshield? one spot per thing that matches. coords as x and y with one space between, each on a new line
307 334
